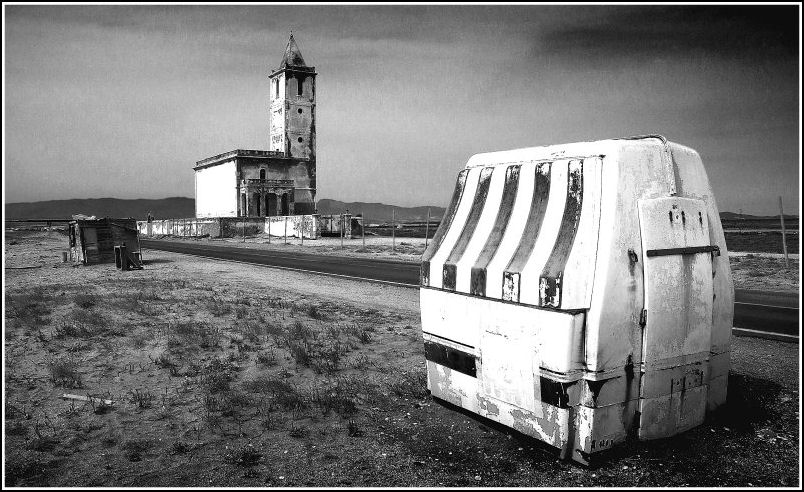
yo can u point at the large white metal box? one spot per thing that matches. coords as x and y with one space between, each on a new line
581 293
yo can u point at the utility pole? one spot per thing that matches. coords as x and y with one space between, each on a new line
393 229
427 228
363 227
784 234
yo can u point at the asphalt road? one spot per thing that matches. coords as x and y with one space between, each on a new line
755 312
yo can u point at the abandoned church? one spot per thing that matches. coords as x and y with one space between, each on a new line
279 181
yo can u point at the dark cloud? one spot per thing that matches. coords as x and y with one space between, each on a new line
768 32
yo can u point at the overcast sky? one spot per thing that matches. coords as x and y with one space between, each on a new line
121 101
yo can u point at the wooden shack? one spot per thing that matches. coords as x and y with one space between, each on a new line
94 240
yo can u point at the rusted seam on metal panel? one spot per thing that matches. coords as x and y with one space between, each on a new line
478 275
450 265
538 207
446 222
550 288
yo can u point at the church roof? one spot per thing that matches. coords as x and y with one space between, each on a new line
293 56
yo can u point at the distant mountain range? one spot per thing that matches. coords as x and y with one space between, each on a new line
378 212
182 207
174 207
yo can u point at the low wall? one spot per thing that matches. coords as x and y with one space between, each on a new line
306 226
297 226
180 227
331 225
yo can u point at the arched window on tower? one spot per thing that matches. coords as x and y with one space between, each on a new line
276 88
262 174
300 87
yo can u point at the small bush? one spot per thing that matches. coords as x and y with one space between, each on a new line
64 372
299 432
85 301
217 376
133 449
218 307
411 384
142 399
179 447
246 456
282 393
71 329
267 359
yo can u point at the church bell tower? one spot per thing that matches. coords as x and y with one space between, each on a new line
292 106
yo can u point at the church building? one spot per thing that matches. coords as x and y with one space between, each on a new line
279 181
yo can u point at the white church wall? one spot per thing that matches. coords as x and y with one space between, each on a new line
216 191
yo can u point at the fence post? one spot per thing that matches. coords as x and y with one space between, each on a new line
269 229
393 229
286 229
300 228
784 234
342 227
363 227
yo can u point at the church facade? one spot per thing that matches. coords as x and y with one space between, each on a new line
279 181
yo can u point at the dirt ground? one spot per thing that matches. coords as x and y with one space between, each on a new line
224 374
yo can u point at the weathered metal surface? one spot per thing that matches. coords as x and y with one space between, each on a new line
582 337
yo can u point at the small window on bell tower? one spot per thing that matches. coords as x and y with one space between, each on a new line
276 88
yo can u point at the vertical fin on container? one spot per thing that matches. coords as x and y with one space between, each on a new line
550 281
478 274
538 206
450 267
446 222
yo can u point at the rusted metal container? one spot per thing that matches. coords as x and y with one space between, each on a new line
581 293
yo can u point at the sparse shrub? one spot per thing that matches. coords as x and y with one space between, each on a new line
245 456
362 362
85 301
29 309
133 449
164 361
353 429
267 359
250 329
139 340
299 431
203 334
410 383
92 320
142 399
64 372
16 429
179 447
232 402
365 337
299 331
312 311
241 312
299 350
340 398
71 329
282 393
217 376
218 307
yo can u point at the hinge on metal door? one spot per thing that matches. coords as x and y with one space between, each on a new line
643 318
